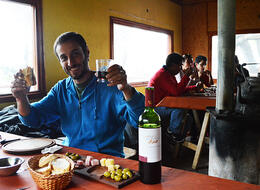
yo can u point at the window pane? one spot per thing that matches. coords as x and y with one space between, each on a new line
140 52
247 51
17 45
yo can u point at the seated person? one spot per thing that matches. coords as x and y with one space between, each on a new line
165 84
187 63
92 115
202 75
239 70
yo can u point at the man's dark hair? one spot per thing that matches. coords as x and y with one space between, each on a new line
71 36
173 58
200 58
186 57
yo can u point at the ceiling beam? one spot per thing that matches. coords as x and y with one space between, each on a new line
189 2
179 2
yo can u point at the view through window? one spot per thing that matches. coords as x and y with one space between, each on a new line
19 44
247 51
140 50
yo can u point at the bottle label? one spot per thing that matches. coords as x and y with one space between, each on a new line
149 144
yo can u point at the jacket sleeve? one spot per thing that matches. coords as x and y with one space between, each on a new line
43 112
205 80
170 84
132 109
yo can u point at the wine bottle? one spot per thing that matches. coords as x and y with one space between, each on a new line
149 141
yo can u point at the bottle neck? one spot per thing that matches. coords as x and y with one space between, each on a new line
149 108
149 98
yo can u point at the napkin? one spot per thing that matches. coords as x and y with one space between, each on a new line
51 149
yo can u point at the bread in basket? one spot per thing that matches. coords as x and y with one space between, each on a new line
54 173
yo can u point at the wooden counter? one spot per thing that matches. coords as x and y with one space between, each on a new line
188 102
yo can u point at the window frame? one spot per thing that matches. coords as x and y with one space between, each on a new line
37 4
214 33
116 20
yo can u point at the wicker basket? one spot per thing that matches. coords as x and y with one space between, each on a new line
51 182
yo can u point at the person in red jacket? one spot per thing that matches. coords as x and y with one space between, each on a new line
165 84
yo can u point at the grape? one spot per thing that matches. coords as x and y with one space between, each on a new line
129 174
118 178
124 176
112 176
107 174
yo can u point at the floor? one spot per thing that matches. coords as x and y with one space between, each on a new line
184 159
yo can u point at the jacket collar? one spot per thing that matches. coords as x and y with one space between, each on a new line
90 86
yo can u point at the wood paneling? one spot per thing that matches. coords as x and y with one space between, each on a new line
248 14
195 32
200 21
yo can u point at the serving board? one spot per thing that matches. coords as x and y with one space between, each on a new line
96 173
24 146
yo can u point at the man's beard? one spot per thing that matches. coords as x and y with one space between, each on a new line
80 76
84 71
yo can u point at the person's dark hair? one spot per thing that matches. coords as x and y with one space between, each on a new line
236 60
71 36
200 58
173 58
187 56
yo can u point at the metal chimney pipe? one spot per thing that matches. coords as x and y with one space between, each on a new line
226 53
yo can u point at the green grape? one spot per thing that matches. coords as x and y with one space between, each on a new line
125 170
129 173
107 174
124 176
118 178
112 176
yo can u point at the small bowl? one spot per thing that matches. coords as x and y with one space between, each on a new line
9 165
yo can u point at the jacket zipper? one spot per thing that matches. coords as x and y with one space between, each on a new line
79 104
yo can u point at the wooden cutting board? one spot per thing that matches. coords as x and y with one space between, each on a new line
27 145
96 173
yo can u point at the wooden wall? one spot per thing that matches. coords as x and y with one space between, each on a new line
200 20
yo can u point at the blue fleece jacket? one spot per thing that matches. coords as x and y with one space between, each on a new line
94 123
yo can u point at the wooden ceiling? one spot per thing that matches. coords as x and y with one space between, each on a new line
187 2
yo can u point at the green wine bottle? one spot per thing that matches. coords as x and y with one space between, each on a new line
149 141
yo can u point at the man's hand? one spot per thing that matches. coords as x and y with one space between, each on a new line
199 86
117 76
188 71
19 91
208 73
18 87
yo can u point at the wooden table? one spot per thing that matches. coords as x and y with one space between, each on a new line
171 178
194 103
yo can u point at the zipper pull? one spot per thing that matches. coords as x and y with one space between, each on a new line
79 105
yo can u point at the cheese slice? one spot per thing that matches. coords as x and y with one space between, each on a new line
60 165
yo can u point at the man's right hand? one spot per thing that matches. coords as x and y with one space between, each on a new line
188 72
19 91
199 86
18 87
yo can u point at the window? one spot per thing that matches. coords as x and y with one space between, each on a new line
247 51
140 49
21 44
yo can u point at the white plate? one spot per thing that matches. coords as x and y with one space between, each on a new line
27 145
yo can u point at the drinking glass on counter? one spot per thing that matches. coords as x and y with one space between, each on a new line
101 67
